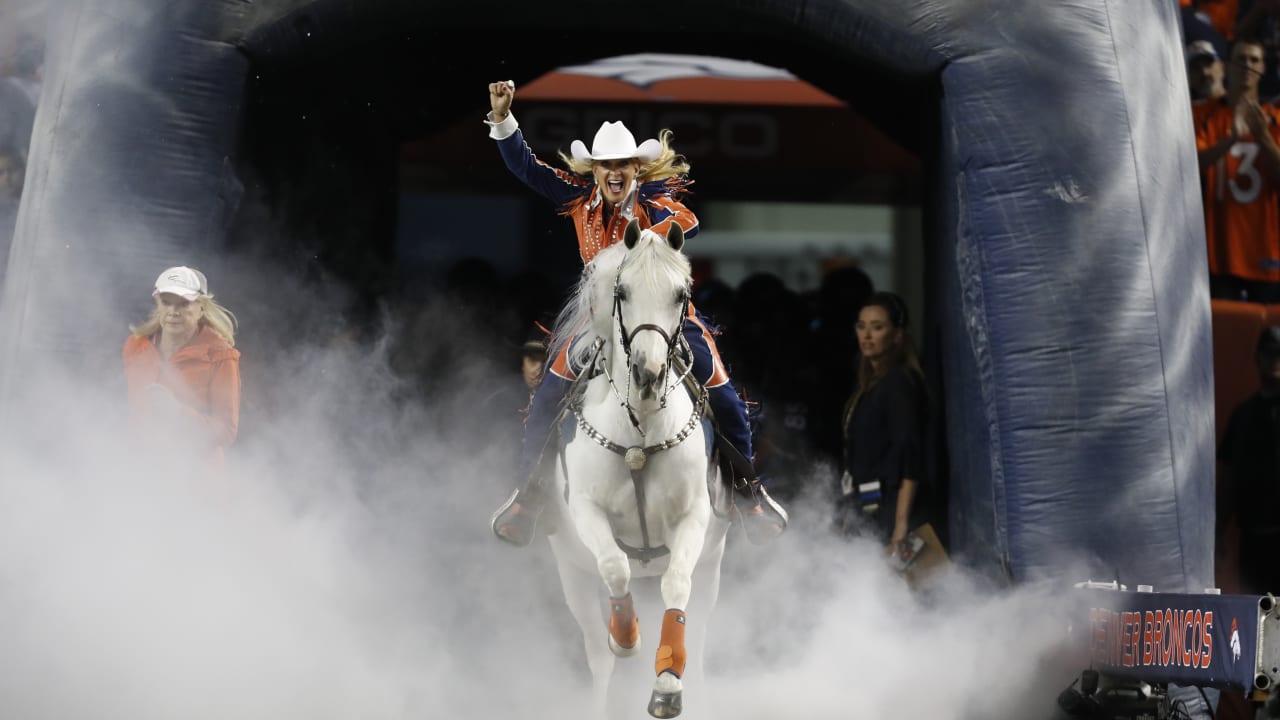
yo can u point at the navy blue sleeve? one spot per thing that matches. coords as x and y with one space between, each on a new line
559 186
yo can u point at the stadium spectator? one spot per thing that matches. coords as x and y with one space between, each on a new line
771 354
1249 473
1260 20
834 343
1205 72
885 422
182 368
533 358
1237 139
506 402
1220 15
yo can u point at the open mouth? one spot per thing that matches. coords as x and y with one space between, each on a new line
615 186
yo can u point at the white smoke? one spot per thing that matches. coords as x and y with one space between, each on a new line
345 568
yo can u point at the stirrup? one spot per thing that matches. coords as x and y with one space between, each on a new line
764 521
514 523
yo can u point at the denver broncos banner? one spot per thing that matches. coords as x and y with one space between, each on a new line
1204 640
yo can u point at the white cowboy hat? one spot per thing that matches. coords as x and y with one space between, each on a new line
614 141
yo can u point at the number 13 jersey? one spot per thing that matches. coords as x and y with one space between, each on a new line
1241 197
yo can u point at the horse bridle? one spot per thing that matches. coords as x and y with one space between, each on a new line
628 337
674 341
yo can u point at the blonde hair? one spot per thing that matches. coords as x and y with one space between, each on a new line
668 164
215 317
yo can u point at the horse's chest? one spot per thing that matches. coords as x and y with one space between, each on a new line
617 497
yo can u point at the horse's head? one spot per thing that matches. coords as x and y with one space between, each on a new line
650 300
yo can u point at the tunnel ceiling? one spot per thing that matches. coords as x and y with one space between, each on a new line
402 57
336 89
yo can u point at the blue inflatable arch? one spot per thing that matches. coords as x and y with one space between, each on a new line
1065 230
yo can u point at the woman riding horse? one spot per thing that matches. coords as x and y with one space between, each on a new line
604 188
631 484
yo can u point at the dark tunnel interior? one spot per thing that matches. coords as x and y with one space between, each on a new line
334 94
327 120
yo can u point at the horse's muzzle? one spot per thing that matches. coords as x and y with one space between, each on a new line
646 381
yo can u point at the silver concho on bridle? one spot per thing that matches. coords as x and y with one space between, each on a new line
634 458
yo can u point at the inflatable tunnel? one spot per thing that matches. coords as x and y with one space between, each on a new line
1065 239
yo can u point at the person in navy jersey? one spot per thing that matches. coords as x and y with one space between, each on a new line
603 189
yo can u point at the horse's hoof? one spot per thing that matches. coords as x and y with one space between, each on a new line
666 705
623 651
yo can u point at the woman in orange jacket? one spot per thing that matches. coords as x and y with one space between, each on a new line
181 364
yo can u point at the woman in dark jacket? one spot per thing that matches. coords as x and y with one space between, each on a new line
884 429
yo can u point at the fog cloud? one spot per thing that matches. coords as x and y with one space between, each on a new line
344 566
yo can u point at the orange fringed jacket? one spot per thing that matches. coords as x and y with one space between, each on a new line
204 376
657 205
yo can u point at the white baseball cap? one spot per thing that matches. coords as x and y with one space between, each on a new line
614 141
1199 49
182 281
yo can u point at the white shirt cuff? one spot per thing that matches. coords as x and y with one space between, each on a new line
501 130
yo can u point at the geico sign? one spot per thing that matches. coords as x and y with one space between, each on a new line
746 134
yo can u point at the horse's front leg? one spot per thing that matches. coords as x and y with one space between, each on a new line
583 595
615 569
685 542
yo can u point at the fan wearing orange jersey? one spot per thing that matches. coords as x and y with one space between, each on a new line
1238 142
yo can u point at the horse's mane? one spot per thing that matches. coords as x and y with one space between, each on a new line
577 321
652 266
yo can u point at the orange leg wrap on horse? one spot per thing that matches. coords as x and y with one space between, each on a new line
671 652
623 625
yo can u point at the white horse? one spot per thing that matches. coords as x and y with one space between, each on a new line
636 491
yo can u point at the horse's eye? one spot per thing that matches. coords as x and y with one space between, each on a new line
682 295
620 293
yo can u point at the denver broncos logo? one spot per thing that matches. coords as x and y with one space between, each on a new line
645 69
1235 641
